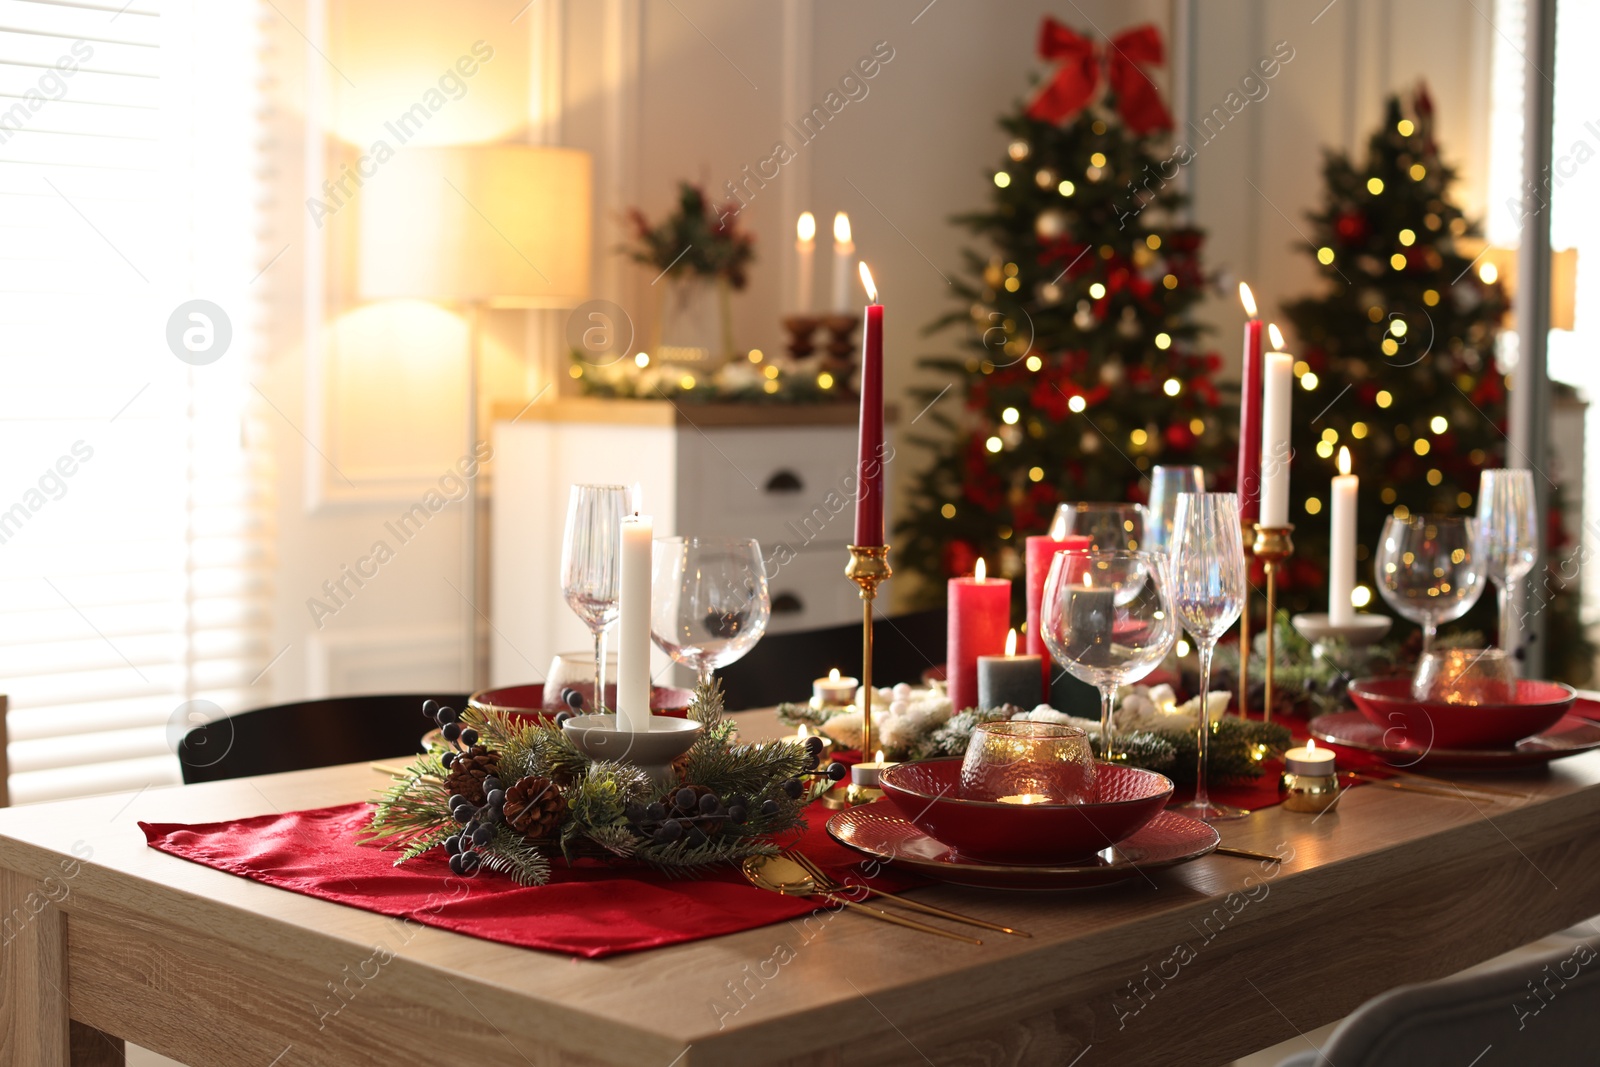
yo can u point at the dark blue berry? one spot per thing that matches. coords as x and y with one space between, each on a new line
458 864
670 831
469 862
451 731
655 812
456 800
497 797
483 835
837 772
430 707
452 844
563 717
814 746
737 814
635 811
469 736
769 808
448 715
792 788
575 700
686 799
447 759
709 804
463 814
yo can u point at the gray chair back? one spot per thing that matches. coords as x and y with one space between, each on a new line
1532 1010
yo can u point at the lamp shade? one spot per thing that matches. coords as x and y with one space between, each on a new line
503 225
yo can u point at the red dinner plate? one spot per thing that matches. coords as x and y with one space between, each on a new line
529 700
1387 703
879 830
1569 737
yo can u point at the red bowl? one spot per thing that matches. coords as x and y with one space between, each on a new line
928 793
1387 703
527 701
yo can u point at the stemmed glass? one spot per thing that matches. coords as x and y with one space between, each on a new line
591 565
1509 536
1107 618
1208 590
1166 484
1107 526
708 600
1429 569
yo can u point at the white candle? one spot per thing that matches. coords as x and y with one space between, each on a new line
865 775
805 247
633 626
834 690
1342 547
844 251
1311 760
1277 383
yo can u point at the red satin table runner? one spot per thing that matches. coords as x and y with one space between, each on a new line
589 909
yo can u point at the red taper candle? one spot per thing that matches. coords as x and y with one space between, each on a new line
869 457
1040 551
979 611
1250 378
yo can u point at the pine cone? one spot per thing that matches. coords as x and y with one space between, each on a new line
469 770
534 807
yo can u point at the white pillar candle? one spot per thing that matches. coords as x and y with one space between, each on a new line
1342 545
805 247
844 250
633 626
1276 396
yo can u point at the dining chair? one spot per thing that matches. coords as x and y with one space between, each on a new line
782 666
311 733
1537 1009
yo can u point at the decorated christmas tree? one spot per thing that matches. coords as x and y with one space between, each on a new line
1398 358
1078 367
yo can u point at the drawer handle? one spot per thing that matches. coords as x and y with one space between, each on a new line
787 604
784 482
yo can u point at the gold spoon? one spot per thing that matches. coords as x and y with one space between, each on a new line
780 874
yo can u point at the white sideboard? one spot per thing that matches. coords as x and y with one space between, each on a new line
779 474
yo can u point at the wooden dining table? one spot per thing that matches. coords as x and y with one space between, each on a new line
106 940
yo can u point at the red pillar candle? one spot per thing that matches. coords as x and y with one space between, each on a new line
979 610
1250 379
869 457
1040 551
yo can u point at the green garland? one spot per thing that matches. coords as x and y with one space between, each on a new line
606 802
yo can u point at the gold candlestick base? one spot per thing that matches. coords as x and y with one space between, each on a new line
868 568
1272 545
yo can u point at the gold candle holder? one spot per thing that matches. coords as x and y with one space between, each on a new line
868 568
1272 545
1244 634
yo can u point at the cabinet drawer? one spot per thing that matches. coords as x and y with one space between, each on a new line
788 484
809 589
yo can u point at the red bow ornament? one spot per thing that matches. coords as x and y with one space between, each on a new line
1078 77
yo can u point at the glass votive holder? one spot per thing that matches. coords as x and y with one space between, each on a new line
1028 763
575 670
1466 676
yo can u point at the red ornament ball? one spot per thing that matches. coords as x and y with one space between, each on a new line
1179 437
1352 227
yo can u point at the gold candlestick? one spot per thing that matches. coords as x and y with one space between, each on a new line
868 567
1244 634
1273 545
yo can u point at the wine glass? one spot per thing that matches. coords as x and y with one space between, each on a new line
1429 569
1509 536
708 600
1166 483
1107 526
1107 618
591 565
1208 591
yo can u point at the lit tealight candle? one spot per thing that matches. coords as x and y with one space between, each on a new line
1310 760
1026 798
865 775
834 690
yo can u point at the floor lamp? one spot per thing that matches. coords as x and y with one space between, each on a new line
477 227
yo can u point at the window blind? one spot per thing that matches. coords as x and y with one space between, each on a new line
135 532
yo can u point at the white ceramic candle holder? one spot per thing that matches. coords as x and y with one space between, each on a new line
1364 631
653 751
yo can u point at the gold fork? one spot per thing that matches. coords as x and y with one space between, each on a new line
832 885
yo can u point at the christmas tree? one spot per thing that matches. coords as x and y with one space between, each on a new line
1079 367
1398 359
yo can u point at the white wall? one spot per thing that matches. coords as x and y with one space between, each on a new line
697 89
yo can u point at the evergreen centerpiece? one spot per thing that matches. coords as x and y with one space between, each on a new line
1399 362
508 794
1081 367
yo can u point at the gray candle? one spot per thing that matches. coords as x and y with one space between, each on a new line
1010 679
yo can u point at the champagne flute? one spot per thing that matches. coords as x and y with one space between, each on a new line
1208 591
1429 569
708 600
1108 619
1508 528
591 565
1166 484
